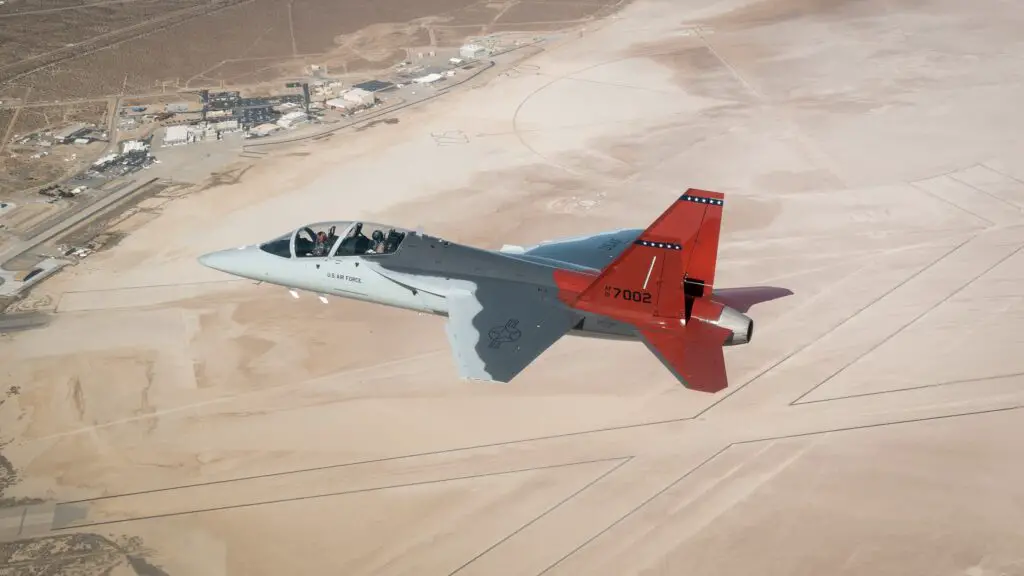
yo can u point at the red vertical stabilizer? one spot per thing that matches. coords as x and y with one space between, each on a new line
662 285
673 258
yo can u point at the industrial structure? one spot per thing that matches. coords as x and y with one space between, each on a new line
472 51
428 78
257 117
75 133
175 135
134 156
199 132
69 133
374 86
249 112
352 100
290 119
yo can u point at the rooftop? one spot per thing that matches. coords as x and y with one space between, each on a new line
69 130
178 132
374 86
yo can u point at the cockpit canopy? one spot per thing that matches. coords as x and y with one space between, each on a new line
337 240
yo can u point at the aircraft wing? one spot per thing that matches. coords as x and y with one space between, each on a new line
500 328
595 251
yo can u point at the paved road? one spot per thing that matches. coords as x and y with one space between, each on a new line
85 213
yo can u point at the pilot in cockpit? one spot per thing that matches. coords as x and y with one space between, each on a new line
320 248
377 247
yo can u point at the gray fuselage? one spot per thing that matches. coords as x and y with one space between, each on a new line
419 276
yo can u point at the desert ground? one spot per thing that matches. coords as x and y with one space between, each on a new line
171 420
56 50
64 61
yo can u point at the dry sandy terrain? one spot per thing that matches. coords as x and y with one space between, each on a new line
52 51
871 153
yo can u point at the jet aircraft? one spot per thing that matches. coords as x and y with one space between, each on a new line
505 307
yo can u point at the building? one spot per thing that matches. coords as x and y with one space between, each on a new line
428 79
285 106
472 51
292 118
359 97
68 133
105 160
133 146
175 135
227 126
263 130
339 104
374 86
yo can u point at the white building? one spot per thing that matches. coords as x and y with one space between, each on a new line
133 146
472 51
428 79
292 118
339 104
359 97
226 126
176 135
263 130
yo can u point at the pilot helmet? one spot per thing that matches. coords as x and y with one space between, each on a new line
378 235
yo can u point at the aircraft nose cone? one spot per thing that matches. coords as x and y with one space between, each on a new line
216 260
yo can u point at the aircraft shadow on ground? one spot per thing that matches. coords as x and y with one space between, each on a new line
743 299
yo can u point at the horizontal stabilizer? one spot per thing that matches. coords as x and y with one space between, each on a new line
693 355
742 299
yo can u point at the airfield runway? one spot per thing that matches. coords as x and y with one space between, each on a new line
873 160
